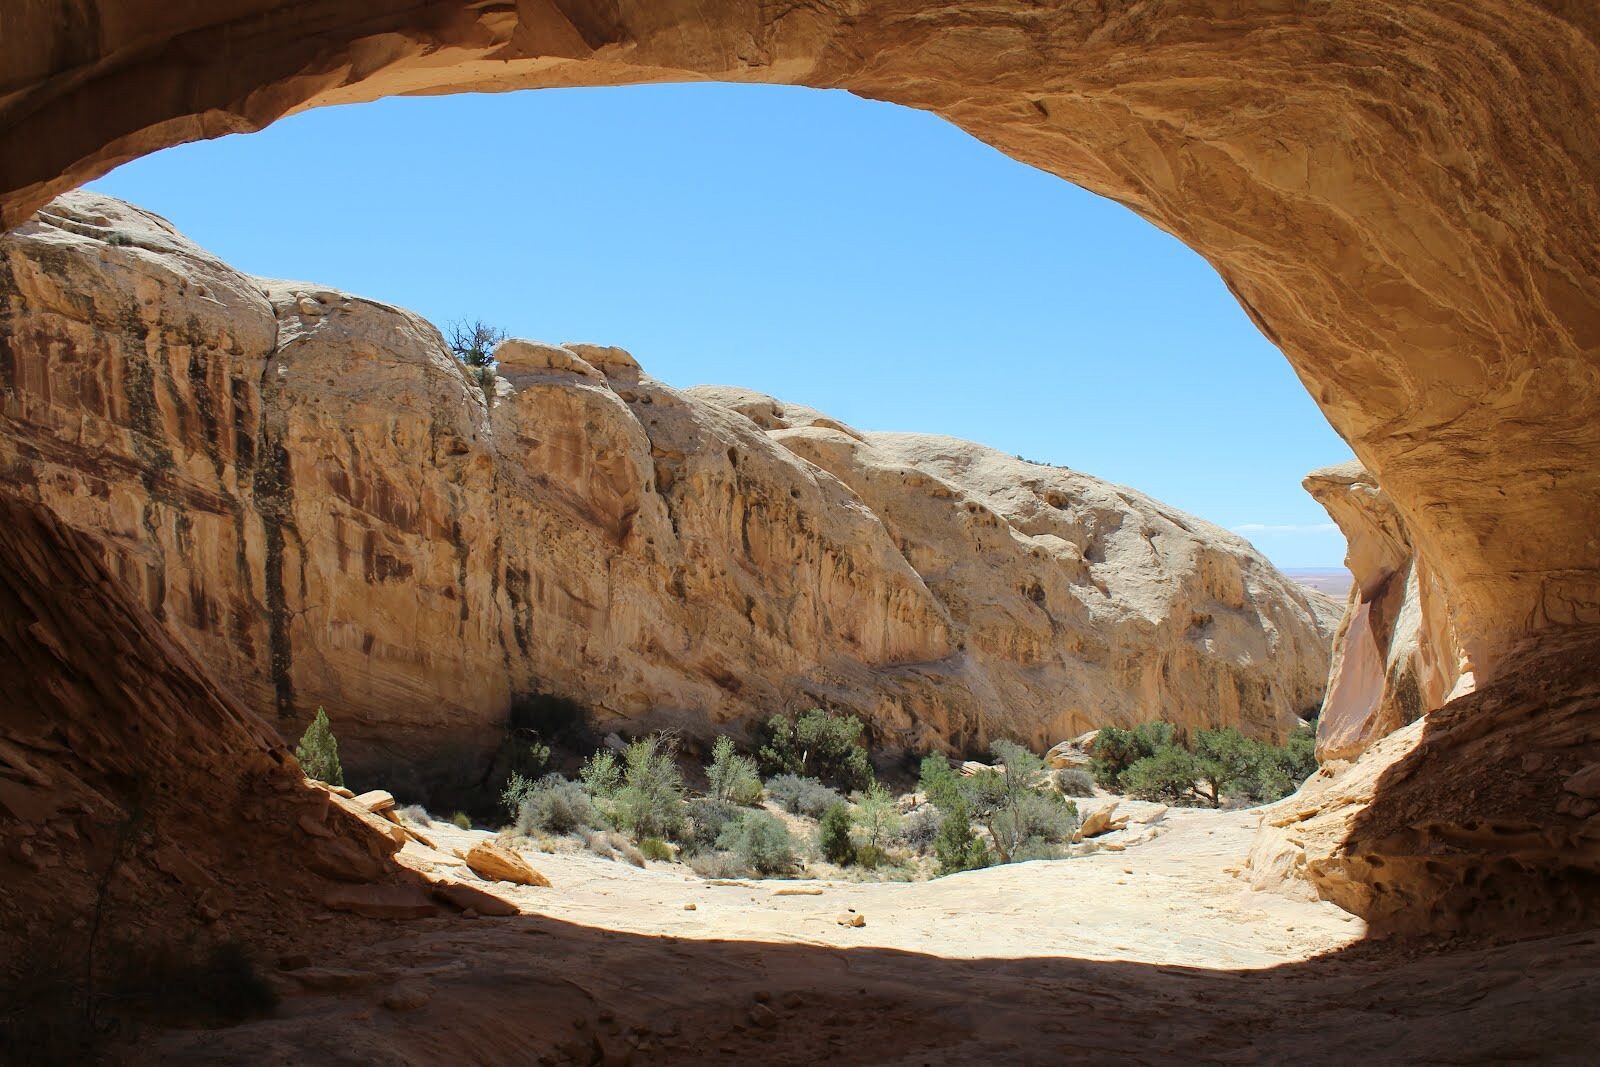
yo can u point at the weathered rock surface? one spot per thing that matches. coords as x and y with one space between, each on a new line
500 864
1507 845
108 802
314 498
1070 593
1399 194
1396 655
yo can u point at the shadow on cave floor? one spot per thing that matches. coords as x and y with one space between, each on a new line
530 989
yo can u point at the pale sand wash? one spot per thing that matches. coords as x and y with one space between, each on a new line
1157 953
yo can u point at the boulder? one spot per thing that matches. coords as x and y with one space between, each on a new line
376 800
1066 755
1100 821
491 861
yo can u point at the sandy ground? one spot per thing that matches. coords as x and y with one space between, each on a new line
1153 954
1102 906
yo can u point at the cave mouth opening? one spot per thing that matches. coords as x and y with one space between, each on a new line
1350 235
882 232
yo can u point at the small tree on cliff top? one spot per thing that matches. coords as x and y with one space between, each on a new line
318 751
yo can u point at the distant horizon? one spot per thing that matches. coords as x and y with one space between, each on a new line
867 260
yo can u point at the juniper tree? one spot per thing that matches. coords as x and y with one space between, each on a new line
318 751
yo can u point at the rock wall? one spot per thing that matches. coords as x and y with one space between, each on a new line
1400 195
1511 844
114 827
312 495
1395 656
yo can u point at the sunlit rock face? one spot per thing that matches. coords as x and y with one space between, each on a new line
1400 195
1395 655
318 501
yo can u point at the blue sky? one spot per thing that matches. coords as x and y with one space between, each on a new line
865 259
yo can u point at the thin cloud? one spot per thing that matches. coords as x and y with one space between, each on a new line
1286 528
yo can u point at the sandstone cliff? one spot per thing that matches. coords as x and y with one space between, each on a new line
312 496
1395 655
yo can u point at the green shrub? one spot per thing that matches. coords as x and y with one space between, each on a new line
876 817
461 821
833 835
871 857
650 802
956 847
554 805
1167 775
708 817
318 751
819 744
1222 765
656 849
732 777
602 774
1075 782
939 781
1116 749
802 796
716 865
761 841
516 790
1023 816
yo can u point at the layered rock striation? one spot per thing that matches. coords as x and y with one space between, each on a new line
312 496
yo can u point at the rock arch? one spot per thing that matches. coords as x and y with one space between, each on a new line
1401 195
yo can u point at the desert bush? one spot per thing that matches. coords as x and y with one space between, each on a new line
461 820
650 802
707 818
1116 749
802 796
554 805
1221 765
514 792
656 849
416 815
1021 816
833 835
939 782
818 744
716 865
761 842
919 829
318 751
871 857
956 847
600 843
732 777
611 845
1075 782
876 818
602 774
